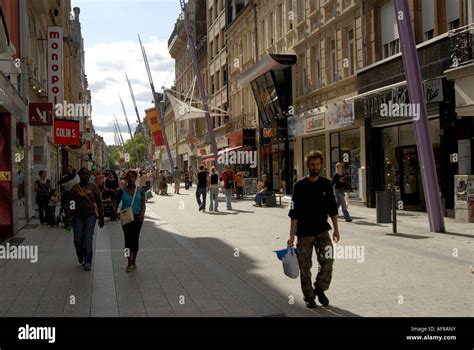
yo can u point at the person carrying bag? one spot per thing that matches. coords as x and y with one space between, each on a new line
87 209
132 216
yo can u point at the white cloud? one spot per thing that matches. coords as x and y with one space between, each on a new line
106 64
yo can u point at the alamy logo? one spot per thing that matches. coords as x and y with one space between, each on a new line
79 110
21 252
238 157
391 109
349 252
37 333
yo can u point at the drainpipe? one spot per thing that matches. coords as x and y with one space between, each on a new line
362 27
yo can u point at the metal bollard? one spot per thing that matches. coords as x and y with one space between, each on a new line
394 211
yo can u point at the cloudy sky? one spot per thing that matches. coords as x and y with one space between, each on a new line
110 29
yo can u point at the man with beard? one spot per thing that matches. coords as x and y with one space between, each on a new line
312 202
87 205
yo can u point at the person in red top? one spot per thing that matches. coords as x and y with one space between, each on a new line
228 185
239 183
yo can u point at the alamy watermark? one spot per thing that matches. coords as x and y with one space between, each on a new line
347 252
238 157
79 110
394 110
22 252
37 333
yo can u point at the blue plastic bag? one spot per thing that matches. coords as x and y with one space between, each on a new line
282 252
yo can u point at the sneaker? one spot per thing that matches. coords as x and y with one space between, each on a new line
350 220
129 268
87 266
310 303
80 259
323 299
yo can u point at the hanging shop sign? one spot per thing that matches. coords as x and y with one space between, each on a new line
55 65
40 114
66 132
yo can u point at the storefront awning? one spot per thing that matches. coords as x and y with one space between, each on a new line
267 63
208 159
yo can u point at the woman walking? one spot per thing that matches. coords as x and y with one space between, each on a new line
134 197
87 209
42 189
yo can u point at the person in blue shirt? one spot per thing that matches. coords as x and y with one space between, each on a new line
132 230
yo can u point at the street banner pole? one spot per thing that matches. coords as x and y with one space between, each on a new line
420 122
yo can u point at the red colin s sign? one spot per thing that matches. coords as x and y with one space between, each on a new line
55 65
66 132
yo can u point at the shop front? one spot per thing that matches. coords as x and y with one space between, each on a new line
241 153
333 130
270 80
392 147
15 173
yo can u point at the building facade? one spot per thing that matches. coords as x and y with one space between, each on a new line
26 66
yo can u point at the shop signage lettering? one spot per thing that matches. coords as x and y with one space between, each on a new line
377 105
66 132
315 122
340 115
434 90
55 65
40 113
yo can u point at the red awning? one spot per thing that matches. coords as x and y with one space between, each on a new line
208 158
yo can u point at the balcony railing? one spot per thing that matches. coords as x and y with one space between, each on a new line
461 45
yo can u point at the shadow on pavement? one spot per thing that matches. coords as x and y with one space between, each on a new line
405 235
457 234
231 282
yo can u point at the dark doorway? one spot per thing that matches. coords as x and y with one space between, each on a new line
409 175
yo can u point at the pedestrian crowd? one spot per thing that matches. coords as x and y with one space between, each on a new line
82 199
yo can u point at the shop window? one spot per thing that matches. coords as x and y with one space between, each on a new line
428 17
453 13
351 50
345 148
390 37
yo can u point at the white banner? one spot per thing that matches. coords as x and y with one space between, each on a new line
55 65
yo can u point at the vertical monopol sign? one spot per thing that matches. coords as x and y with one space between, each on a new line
55 65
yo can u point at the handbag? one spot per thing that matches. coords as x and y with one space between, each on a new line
126 215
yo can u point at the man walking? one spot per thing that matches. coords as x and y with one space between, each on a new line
312 202
228 186
340 185
202 188
177 179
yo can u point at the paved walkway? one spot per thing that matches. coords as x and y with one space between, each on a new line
207 264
